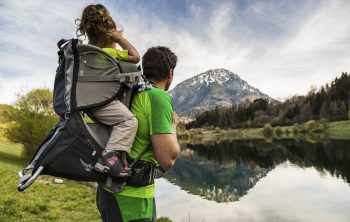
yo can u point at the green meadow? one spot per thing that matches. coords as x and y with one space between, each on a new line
332 130
44 200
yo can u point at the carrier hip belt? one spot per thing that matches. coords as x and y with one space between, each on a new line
144 173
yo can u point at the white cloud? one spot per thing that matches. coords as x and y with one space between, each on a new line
280 50
28 41
314 55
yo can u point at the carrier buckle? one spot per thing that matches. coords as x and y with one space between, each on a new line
67 115
158 172
26 178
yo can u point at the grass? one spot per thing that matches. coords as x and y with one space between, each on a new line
333 130
339 130
43 201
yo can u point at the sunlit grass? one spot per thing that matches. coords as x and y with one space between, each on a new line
339 130
43 201
333 130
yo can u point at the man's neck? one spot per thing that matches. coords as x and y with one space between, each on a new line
159 85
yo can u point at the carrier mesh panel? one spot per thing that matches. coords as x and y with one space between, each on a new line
97 82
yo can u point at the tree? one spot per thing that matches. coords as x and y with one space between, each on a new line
4 109
316 105
305 113
30 119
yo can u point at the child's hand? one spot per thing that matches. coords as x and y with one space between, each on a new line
114 35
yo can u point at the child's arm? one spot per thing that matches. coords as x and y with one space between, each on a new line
125 44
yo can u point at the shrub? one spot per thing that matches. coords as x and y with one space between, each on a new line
268 130
324 121
298 128
30 119
278 131
287 132
4 109
309 125
314 126
164 219
295 128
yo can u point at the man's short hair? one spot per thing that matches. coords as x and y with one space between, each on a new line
157 62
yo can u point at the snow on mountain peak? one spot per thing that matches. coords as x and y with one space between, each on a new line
215 87
214 75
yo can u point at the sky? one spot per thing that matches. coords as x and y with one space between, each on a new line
281 47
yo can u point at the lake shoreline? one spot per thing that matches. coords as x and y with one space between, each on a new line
339 130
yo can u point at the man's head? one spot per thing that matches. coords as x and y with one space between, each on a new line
158 65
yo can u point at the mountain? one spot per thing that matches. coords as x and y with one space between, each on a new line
216 87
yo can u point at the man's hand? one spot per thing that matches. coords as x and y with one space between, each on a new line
114 35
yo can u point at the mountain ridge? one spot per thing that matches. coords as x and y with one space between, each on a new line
214 87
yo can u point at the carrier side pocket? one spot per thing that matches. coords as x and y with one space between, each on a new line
141 174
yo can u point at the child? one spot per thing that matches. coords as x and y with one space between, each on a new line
101 31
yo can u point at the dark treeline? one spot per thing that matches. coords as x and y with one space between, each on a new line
330 102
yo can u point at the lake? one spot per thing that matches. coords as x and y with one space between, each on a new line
285 180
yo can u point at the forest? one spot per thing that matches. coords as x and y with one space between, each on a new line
328 103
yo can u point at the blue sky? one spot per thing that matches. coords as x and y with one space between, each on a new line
281 47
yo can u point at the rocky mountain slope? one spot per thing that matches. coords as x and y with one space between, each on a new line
217 87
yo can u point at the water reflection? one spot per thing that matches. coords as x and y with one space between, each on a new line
226 171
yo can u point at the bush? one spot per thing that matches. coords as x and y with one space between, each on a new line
31 119
4 109
268 131
298 128
309 125
324 121
287 132
262 120
278 131
164 219
314 126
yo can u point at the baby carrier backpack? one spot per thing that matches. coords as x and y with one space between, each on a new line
86 77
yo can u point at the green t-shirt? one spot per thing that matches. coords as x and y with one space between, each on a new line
153 109
117 53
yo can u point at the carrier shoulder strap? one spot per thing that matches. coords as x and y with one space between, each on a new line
141 154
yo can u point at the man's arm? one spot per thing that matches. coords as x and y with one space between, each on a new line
165 147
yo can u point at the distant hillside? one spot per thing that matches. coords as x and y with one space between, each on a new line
329 103
217 87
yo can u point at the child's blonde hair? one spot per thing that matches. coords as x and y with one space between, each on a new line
95 22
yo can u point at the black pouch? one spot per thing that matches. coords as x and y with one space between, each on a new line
141 174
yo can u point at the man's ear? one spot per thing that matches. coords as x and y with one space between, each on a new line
171 74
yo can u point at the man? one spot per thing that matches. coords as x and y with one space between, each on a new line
156 126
